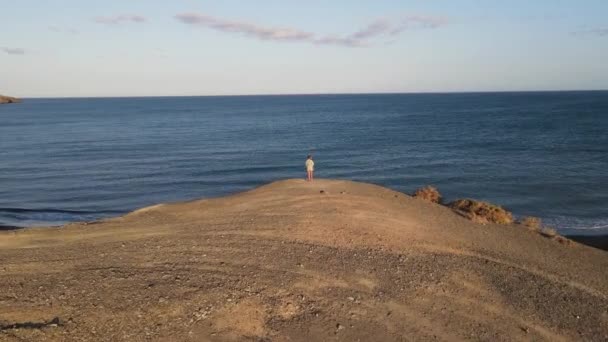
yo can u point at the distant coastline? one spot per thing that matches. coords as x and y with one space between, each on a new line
8 99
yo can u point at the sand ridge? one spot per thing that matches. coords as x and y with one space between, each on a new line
299 261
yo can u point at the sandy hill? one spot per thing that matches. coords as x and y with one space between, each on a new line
294 261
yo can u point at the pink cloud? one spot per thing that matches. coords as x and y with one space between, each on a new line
378 27
245 28
359 38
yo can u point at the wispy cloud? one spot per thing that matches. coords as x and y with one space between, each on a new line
244 28
376 28
120 19
359 38
60 29
12 51
416 22
339 41
596 32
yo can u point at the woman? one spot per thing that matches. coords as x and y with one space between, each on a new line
310 168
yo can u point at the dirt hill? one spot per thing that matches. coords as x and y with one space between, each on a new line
298 261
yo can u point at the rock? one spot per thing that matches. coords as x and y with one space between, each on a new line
481 212
548 232
428 193
562 240
531 222
8 99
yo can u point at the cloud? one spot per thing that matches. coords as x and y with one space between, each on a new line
59 29
12 51
120 19
244 28
359 38
417 22
340 41
596 32
378 27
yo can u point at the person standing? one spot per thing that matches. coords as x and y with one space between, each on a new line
310 168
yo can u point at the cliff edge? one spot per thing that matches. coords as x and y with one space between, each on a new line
299 261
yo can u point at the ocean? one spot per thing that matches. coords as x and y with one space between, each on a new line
542 154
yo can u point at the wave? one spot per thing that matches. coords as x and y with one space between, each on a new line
14 218
55 211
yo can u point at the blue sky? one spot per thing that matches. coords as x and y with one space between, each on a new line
189 47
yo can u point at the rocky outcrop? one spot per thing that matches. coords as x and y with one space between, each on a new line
530 222
428 193
8 99
481 212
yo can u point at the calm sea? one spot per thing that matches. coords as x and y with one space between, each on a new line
540 154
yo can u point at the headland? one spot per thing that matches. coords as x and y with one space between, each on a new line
299 261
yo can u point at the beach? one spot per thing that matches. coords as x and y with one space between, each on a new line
299 261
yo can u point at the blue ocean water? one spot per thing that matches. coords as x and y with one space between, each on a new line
543 154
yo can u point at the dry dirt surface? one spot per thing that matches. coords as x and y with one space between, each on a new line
296 261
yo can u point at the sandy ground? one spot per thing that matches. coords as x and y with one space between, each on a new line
295 261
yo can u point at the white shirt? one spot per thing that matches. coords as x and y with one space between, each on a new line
310 165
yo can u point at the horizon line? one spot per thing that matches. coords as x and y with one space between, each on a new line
324 94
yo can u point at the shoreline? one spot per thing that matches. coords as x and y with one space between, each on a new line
6 228
596 241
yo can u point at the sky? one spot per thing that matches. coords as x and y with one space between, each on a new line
79 48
